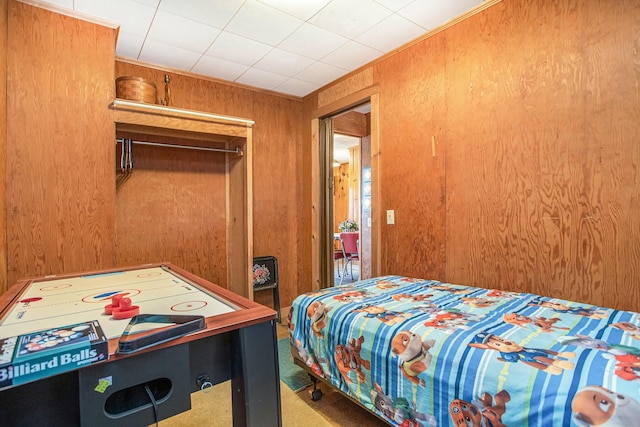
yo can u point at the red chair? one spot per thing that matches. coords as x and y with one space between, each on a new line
350 251
337 256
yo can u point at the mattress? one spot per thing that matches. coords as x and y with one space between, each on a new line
425 353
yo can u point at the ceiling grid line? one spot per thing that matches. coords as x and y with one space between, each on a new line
291 47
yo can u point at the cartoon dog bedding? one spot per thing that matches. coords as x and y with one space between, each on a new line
425 353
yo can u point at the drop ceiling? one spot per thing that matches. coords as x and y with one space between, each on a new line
341 146
288 46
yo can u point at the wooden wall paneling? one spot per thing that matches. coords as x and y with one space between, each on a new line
317 229
412 179
343 104
172 208
307 279
60 150
538 196
550 233
354 184
4 285
239 191
351 123
492 161
611 156
340 195
278 186
191 92
346 86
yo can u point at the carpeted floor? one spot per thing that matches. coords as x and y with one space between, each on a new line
213 409
291 375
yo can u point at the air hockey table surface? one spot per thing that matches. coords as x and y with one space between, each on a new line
54 301
238 343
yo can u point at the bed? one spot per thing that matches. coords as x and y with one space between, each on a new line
425 353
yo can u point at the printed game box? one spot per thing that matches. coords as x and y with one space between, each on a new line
41 354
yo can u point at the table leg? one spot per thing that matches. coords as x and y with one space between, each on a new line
255 377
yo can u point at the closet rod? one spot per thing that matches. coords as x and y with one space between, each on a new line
189 147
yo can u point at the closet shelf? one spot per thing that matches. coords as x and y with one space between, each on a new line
132 116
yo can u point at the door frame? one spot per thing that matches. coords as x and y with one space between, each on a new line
372 96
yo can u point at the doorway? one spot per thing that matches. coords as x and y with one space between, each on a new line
323 181
322 235
352 193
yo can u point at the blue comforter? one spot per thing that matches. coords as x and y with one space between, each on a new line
426 353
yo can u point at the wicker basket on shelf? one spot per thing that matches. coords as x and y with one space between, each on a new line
136 89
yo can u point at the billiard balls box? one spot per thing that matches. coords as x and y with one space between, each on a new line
45 353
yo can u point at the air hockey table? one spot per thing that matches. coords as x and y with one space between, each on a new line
238 343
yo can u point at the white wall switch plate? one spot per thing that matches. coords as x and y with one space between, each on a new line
391 217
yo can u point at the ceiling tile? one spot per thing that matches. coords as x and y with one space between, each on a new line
296 87
136 20
168 56
152 3
393 5
219 68
260 22
300 9
214 13
312 42
263 79
234 48
226 38
390 33
283 62
433 13
350 18
129 45
181 32
320 73
351 56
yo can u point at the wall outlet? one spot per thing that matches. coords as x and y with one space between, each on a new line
391 217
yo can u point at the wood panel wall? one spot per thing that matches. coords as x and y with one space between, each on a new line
308 269
344 87
3 146
412 114
352 124
278 176
509 151
543 153
340 195
60 151
172 207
